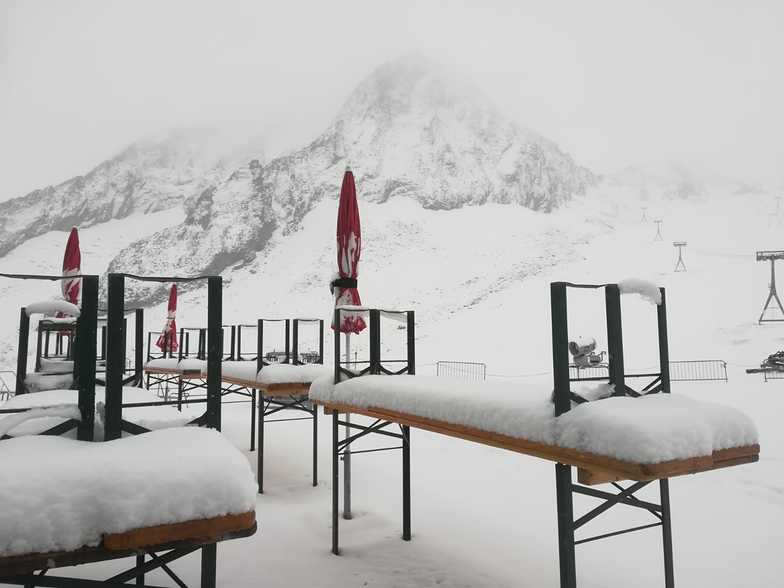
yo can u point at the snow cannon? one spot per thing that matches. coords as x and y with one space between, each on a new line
584 353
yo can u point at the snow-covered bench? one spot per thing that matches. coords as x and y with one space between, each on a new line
281 387
68 502
611 432
274 380
139 499
188 367
619 438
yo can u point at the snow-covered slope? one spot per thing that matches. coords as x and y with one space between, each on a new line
151 175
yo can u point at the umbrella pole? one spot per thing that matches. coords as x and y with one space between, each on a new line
347 451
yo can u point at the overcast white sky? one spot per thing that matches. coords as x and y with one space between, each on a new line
614 83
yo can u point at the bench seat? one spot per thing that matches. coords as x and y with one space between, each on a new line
646 438
61 495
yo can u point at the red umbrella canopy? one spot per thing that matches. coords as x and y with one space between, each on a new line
168 339
72 264
349 235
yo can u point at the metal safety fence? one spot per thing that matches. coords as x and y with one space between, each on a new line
468 370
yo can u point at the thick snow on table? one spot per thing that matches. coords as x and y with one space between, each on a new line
284 373
41 382
279 373
169 363
173 363
62 494
149 417
241 370
652 429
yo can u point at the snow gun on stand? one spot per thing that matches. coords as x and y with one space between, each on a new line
773 363
584 353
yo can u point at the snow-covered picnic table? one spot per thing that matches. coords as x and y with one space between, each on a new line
636 438
281 378
120 495
173 365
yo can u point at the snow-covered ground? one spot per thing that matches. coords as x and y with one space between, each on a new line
478 279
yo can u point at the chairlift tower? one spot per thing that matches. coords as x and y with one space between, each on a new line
771 256
679 265
644 218
658 236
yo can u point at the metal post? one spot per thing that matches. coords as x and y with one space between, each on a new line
114 355
411 361
563 491
253 419
560 336
406 482
259 345
84 356
321 341
46 344
214 350
335 474
375 341
410 342
260 455
21 352
562 401
295 343
139 564
288 349
347 450
124 342
314 410
612 297
664 350
139 346
103 342
336 341
183 344
239 343
38 348
669 568
209 564
233 342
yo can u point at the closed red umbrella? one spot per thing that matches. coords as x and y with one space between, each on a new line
168 339
72 266
349 237
349 234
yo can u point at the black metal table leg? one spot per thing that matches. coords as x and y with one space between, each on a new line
335 482
669 568
563 489
260 456
314 412
209 557
140 565
253 420
406 483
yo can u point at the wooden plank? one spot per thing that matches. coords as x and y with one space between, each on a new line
594 477
286 389
31 562
162 370
603 467
202 530
271 390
